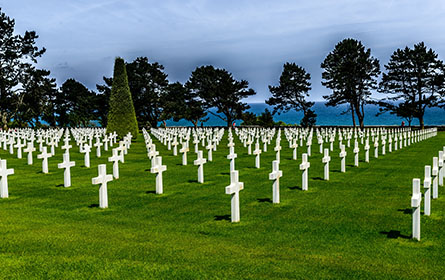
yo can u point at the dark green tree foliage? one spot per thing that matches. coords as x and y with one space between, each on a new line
309 119
17 54
404 110
102 101
148 85
249 118
35 101
415 77
75 104
351 72
121 116
292 91
218 89
182 103
266 119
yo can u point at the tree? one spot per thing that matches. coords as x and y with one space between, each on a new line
17 54
182 103
218 89
75 104
102 99
249 118
148 85
404 110
351 72
265 119
309 119
292 91
35 101
121 116
416 77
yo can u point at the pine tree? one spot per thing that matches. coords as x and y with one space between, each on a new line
121 115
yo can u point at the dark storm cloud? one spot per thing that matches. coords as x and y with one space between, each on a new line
251 39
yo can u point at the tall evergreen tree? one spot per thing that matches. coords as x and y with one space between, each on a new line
291 93
218 89
121 116
416 77
351 72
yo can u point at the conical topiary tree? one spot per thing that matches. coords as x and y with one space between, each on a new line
121 114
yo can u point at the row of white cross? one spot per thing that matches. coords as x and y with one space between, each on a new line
434 177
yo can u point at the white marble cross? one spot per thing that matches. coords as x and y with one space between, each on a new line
427 187
200 161
367 150
343 158
86 150
277 149
115 158
275 176
233 189
326 159
304 177
103 178
29 149
44 156
257 153
184 151
356 153
435 172
66 147
98 144
19 147
158 169
383 146
175 146
4 173
67 164
209 148
232 156
416 199
53 143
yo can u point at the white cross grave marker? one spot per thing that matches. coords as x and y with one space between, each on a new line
67 164
304 166
275 176
44 156
102 179
200 161
233 189
158 169
4 173
415 204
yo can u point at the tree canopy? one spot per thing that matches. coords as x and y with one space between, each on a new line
291 93
351 73
218 89
416 78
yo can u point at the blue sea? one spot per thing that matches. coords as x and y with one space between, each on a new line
329 116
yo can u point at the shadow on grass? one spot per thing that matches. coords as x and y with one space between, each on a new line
60 185
148 169
350 165
192 181
225 173
337 171
317 178
394 234
222 218
294 188
406 211
264 200
94 205
151 192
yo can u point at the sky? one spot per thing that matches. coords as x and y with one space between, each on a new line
250 39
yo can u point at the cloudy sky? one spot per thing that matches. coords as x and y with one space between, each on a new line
251 39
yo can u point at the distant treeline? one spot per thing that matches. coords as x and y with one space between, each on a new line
413 81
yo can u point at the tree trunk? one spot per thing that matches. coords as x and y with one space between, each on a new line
195 123
422 126
353 115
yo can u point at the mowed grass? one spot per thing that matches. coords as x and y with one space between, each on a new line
357 225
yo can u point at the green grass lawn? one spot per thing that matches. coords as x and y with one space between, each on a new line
357 225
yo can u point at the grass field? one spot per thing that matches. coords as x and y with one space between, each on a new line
357 225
